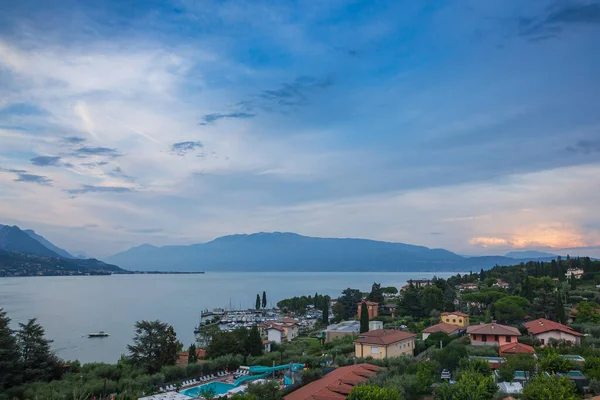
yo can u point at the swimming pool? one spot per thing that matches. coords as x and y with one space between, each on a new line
219 388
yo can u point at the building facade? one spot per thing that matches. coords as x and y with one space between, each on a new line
384 343
492 334
545 330
455 318
372 308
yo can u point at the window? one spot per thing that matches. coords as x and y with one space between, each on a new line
374 350
496 338
508 339
453 319
460 321
484 338
542 342
474 337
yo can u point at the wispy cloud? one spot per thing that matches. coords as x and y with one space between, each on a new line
182 148
73 140
45 161
96 151
24 176
585 147
100 189
212 118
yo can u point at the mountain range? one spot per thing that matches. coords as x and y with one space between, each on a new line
25 253
287 252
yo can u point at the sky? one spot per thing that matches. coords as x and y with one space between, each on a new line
467 125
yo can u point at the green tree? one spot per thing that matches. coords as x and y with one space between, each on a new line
376 294
253 344
265 391
517 362
154 345
432 299
588 312
411 302
552 363
573 282
474 386
591 368
325 311
476 365
345 307
38 361
10 367
390 290
264 299
511 308
208 393
561 316
551 387
426 376
372 392
257 305
364 318
450 356
192 354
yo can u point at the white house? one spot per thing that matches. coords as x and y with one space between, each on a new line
275 334
544 330
576 272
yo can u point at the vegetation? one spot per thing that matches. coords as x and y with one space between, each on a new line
154 346
543 387
240 341
372 392
364 318
301 304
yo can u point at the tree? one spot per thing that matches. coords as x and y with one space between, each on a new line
573 282
376 294
472 385
154 345
257 306
364 318
426 376
517 362
552 363
253 344
265 391
561 316
38 361
372 392
411 302
10 366
510 308
450 356
432 298
325 312
591 368
192 354
551 387
264 299
345 308
390 290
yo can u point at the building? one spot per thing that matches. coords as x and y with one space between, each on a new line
267 346
576 272
375 325
338 331
448 329
372 308
510 387
515 348
455 318
289 330
544 330
501 283
492 334
275 334
384 343
182 358
336 385
469 286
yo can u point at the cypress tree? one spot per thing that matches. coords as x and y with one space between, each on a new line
9 354
573 282
560 310
364 318
325 312
264 299
253 343
257 302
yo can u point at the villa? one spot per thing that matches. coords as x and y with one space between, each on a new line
279 332
544 330
372 308
465 286
336 385
455 318
384 343
576 272
448 329
492 334
501 283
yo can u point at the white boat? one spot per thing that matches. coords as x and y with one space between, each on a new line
98 334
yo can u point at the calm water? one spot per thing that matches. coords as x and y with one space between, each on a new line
70 307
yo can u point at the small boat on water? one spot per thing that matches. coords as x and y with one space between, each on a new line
98 334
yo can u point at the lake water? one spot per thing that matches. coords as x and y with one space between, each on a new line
70 307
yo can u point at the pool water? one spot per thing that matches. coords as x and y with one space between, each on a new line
219 388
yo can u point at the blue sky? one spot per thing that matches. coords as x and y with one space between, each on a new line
468 125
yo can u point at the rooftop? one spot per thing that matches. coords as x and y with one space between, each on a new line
384 336
457 313
493 329
336 384
516 347
441 327
346 326
545 325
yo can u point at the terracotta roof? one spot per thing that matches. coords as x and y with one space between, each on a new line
383 336
336 384
514 348
275 327
458 313
493 329
369 303
182 358
441 327
545 325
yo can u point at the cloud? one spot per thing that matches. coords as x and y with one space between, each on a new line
488 241
182 148
295 93
24 176
585 147
100 189
73 140
212 118
145 230
551 25
96 151
118 172
45 161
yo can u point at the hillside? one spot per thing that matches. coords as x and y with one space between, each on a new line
14 263
288 252
14 239
61 252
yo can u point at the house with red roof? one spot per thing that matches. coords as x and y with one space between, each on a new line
384 343
492 334
515 348
448 329
544 330
336 385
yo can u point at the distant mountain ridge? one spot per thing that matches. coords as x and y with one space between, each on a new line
288 252
529 254
48 245
13 238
